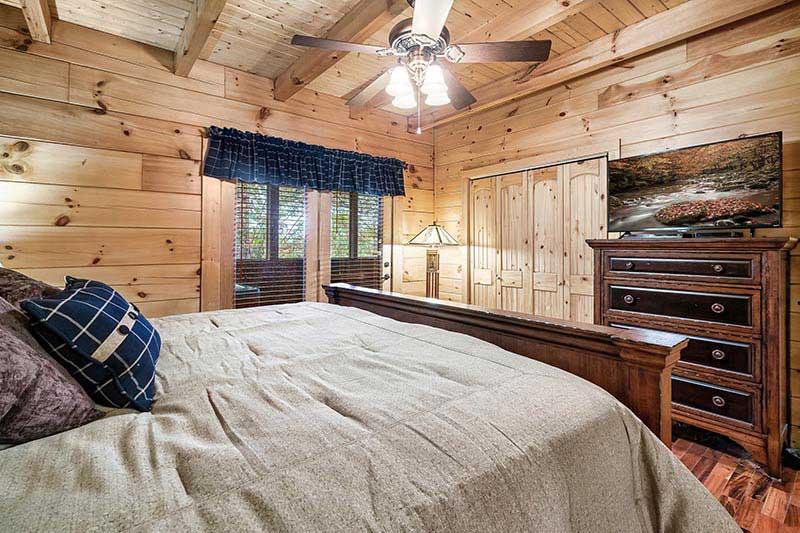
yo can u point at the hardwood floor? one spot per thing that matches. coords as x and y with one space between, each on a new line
757 502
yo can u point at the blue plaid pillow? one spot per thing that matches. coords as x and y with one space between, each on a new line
107 345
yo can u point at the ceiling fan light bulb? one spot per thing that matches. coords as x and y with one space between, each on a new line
434 89
437 99
434 81
399 82
405 101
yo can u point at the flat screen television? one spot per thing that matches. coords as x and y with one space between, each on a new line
726 185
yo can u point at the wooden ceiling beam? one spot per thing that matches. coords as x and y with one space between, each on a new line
371 96
358 25
377 101
201 20
682 22
528 19
37 16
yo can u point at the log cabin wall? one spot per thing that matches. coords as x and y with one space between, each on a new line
743 79
100 170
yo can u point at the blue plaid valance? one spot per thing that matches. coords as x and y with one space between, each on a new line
255 158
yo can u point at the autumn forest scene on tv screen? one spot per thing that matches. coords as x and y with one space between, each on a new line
731 184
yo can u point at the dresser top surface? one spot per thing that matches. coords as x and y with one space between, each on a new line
744 244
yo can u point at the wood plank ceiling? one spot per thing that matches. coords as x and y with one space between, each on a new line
255 35
155 22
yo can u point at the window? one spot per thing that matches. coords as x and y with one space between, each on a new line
270 245
356 239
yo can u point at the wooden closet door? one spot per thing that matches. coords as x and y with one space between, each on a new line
513 228
483 242
548 242
584 218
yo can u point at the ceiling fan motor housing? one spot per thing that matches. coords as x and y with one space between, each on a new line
402 40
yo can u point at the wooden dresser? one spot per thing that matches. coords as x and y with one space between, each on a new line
729 297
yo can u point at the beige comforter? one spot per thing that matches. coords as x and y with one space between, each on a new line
312 417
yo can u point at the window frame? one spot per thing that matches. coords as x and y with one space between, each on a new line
272 226
353 236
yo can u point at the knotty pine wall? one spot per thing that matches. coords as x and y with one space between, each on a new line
740 80
100 163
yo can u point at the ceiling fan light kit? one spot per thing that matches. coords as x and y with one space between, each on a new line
418 43
405 101
437 99
434 81
399 82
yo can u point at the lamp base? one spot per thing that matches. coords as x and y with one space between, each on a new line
432 273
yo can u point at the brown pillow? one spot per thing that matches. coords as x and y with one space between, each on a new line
17 323
14 321
15 287
36 399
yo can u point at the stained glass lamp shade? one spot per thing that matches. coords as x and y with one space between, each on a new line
433 235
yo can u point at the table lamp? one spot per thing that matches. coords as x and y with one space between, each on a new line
433 236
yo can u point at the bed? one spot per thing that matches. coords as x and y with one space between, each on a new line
321 417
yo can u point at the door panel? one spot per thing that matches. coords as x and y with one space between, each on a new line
548 264
483 276
483 242
585 218
512 279
514 289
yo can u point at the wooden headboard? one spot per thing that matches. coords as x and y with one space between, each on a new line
634 366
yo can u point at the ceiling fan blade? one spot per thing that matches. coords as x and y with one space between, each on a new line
370 91
314 42
430 16
460 97
529 51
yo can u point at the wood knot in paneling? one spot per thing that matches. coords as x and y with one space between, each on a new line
16 168
14 160
102 108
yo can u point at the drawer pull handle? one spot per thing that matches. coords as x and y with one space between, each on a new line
718 268
719 401
719 355
718 308
629 265
628 299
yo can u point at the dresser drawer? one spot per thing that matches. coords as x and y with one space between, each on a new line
713 399
737 269
733 309
713 354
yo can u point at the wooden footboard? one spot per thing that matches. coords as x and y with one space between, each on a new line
634 366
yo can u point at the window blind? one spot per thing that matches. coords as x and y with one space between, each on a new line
356 239
269 245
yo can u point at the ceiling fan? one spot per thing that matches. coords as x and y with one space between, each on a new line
419 43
